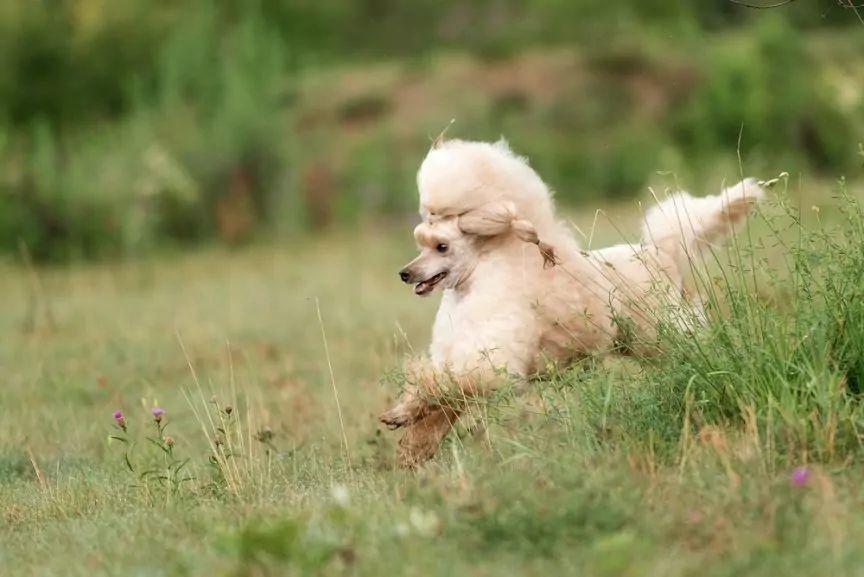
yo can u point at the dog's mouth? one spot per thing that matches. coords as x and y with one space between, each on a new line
425 287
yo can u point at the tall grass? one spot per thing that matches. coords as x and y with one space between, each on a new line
792 359
778 355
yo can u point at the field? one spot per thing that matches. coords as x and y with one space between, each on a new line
607 468
203 209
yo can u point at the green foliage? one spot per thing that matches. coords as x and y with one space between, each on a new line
288 542
129 125
793 370
155 469
535 523
69 63
149 177
762 90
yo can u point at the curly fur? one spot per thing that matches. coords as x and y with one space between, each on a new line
505 311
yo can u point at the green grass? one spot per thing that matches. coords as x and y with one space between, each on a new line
679 466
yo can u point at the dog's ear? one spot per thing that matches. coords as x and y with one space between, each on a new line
500 217
525 231
490 219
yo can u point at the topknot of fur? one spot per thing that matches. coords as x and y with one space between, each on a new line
491 190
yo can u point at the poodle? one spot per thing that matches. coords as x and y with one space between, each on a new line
508 309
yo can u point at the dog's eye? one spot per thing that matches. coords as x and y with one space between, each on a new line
442 248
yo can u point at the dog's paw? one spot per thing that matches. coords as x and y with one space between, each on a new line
401 415
422 439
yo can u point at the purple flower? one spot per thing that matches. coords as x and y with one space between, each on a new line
119 419
799 476
157 413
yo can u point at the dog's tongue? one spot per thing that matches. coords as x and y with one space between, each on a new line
425 287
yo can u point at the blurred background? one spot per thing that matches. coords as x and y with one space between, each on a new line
128 126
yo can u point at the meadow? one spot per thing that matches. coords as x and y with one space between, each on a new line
735 452
203 209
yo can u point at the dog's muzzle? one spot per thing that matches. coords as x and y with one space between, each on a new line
423 287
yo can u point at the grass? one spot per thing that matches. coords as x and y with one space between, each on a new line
679 466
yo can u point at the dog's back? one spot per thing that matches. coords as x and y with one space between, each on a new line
647 280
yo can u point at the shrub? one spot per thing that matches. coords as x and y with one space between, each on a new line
129 125
764 89
202 156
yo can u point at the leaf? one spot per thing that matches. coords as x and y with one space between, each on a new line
128 462
159 444
182 464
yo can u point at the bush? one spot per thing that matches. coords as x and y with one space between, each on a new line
767 91
128 125
201 157
71 63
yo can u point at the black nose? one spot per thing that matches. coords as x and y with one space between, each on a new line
404 275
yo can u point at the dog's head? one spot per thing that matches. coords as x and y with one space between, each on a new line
450 246
446 256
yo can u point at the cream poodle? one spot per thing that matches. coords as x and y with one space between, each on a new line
508 310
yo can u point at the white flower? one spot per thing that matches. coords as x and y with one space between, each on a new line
424 522
340 495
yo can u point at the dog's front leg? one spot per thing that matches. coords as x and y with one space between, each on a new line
421 388
422 438
411 408
429 411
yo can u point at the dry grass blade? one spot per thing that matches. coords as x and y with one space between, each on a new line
333 383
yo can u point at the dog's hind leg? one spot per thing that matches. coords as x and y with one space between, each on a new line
422 438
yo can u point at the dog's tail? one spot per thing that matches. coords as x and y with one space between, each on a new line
682 224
